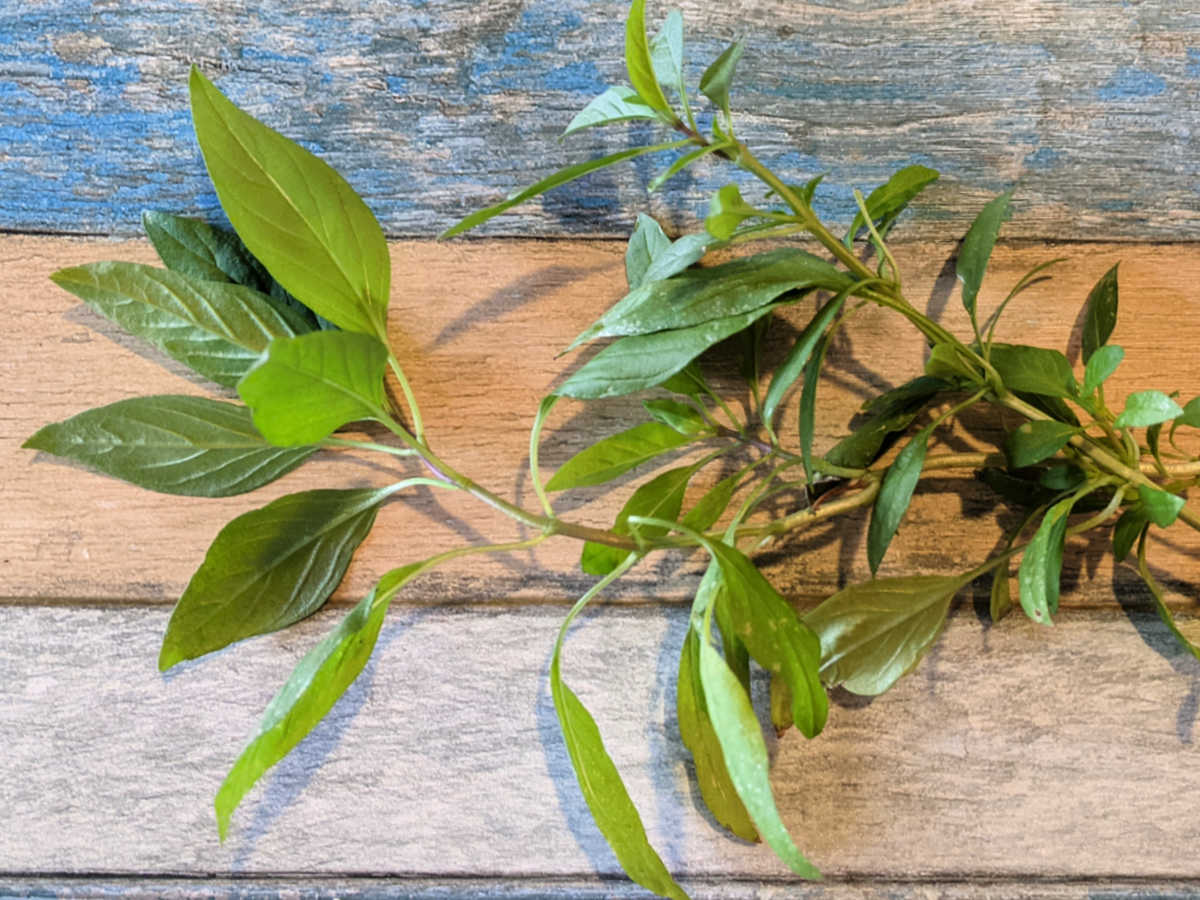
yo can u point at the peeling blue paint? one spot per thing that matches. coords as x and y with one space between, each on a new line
1130 83
1042 159
578 77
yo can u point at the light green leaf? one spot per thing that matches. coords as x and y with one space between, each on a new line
191 446
875 632
688 381
895 493
1101 316
683 417
976 249
1191 413
616 454
640 65
617 104
269 568
1160 601
646 360
659 498
1127 530
726 211
793 364
305 388
717 78
1160 507
1036 370
946 363
1041 564
1032 442
1146 408
666 51
647 242
887 201
1100 366
296 214
214 328
682 162
708 508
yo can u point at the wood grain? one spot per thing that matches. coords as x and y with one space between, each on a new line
433 110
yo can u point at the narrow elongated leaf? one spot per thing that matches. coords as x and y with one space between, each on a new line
807 423
704 295
1036 370
976 249
895 493
659 498
645 360
647 242
305 388
296 214
1000 601
1160 507
797 358
683 417
562 176
718 77
875 632
1032 442
1041 564
1160 601
708 509
214 328
616 454
315 685
696 730
640 64
890 413
887 201
269 568
617 104
1101 316
745 753
1100 366
1127 530
682 162
1146 408
192 446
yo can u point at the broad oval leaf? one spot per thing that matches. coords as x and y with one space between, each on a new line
659 498
640 64
793 364
1146 408
887 201
1191 413
1101 316
1100 366
615 455
1160 507
305 388
215 328
895 493
296 214
269 568
718 77
617 104
1036 370
191 446
875 632
976 249
1041 564
1032 442
726 211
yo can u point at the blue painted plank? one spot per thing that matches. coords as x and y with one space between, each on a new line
435 108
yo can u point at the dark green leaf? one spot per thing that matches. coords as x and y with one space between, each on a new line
887 201
1055 407
1191 413
647 242
1018 491
1036 370
269 568
1062 476
1032 442
1160 601
1001 597
1160 507
875 632
708 509
615 455
1041 564
726 211
717 78
797 358
895 493
683 417
1147 408
295 214
1101 316
175 445
659 498
640 64
891 413
307 387
1100 366
689 382
807 420
946 364
976 249
214 328
1127 530
617 104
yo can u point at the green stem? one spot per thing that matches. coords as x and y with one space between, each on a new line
336 442
409 398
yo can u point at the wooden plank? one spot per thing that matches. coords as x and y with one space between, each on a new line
461 315
1014 752
433 111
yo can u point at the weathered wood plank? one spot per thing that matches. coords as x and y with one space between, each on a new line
434 110
461 315
1013 752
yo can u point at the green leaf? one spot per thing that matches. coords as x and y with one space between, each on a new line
269 568
684 251
295 214
793 364
1100 366
875 632
1160 601
191 446
646 360
716 292
726 211
1041 564
736 727
946 364
1001 595
1160 507
887 201
1101 316
1036 370
689 382
659 498
315 685
683 417
1025 493
718 77
708 509
890 413
1191 413
695 727
682 162
895 493
976 249
1032 442
562 176
640 64
647 242
807 420
1127 530
1146 408
616 454
617 104
305 388
214 328
781 704
666 51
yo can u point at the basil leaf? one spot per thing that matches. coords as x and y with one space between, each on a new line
213 328
976 250
616 104
1127 530
793 364
1160 507
718 77
1036 370
296 214
646 360
192 446
1032 442
708 508
1041 564
1102 362
659 498
615 455
269 568
640 65
647 241
305 388
875 632
887 201
895 494
1101 316
1146 408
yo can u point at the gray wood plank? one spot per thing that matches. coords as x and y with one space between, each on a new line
1013 752
435 109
